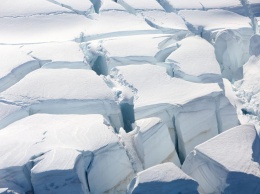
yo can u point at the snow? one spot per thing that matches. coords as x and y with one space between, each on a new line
181 100
188 65
227 163
177 5
55 55
43 7
254 7
162 178
153 143
62 91
248 90
15 68
42 28
58 152
96 92
135 6
229 33
154 14
105 54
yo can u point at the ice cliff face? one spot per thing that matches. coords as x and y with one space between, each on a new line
136 96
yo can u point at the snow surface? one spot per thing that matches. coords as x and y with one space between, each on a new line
153 143
189 66
162 178
60 91
177 104
230 34
177 5
96 92
227 163
57 151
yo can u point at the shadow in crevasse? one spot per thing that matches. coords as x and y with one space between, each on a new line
242 183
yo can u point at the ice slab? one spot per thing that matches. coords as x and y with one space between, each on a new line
27 8
61 91
253 7
54 28
189 65
153 143
42 28
229 33
14 65
154 14
57 55
257 25
173 100
105 54
212 163
248 91
177 5
135 6
162 178
62 154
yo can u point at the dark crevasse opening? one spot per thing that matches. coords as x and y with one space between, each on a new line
128 116
100 66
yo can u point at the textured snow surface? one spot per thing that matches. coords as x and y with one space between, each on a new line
63 154
96 93
227 163
162 178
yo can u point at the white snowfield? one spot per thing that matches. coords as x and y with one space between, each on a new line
62 154
227 163
162 178
96 93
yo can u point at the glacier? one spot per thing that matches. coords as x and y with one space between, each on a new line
129 96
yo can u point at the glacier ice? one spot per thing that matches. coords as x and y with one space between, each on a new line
162 178
165 97
227 163
55 55
177 5
187 65
62 154
59 91
230 34
153 143
14 65
96 92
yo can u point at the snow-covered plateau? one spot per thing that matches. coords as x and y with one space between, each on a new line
130 96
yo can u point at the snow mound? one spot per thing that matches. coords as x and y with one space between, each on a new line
60 91
230 34
188 65
162 178
153 143
212 162
174 101
62 154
